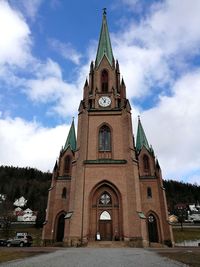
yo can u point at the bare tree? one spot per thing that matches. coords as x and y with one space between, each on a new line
6 217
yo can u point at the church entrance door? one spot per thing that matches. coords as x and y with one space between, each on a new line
152 228
105 213
60 228
105 230
105 226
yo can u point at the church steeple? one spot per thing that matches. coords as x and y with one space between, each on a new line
71 138
104 46
141 139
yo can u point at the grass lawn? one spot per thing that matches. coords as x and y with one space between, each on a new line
189 257
186 234
9 255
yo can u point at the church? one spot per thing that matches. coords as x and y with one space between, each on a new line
106 184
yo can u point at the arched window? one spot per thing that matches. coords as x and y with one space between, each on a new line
149 192
105 216
64 192
104 81
67 164
146 162
104 138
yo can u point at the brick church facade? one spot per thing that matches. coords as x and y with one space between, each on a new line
106 186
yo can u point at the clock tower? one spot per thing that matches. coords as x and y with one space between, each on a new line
104 186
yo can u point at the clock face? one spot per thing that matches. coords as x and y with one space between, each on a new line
104 101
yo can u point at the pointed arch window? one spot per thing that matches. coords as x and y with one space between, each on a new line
149 192
104 81
64 193
146 163
67 164
104 138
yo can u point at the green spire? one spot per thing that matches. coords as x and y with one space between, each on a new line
104 47
141 138
71 138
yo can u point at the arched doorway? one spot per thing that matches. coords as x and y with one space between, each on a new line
60 228
105 214
153 229
105 226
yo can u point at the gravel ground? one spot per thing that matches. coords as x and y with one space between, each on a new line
96 257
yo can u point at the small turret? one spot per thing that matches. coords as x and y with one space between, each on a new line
91 66
141 140
117 76
55 166
157 165
86 90
71 138
91 77
123 89
117 66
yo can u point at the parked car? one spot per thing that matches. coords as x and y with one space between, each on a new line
20 240
3 242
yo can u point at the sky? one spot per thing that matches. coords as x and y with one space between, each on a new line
45 52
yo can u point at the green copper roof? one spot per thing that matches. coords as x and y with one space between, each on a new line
71 138
104 47
141 138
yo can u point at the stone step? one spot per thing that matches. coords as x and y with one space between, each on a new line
106 244
156 245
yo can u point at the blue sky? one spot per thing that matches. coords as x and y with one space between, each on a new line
45 52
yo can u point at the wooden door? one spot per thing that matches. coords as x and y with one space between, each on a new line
152 228
60 228
105 229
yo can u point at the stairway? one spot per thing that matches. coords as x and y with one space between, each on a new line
107 244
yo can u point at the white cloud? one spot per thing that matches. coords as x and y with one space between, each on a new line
138 67
157 51
66 50
15 40
45 83
49 86
165 39
29 144
173 127
28 7
175 25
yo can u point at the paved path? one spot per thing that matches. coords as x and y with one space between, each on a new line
97 257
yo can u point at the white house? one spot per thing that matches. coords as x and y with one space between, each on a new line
20 202
194 213
27 216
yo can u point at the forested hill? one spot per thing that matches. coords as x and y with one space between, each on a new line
34 184
179 192
29 183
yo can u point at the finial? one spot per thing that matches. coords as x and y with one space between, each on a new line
139 117
86 83
104 11
91 66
